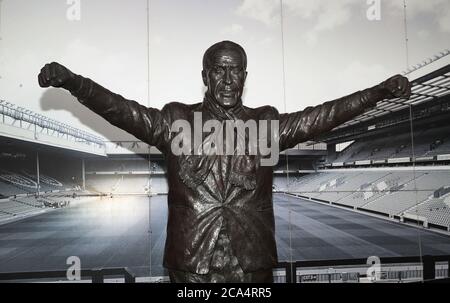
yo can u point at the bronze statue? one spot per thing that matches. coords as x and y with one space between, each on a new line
221 221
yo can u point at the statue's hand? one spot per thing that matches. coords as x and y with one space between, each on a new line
55 74
396 87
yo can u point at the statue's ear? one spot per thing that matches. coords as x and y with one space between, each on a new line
204 78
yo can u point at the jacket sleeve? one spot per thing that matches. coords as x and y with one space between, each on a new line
304 125
145 123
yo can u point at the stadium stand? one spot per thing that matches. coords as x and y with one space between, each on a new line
436 210
16 208
13 183
19 194
405 195
377 144
21 206
16 183
429 142
390 192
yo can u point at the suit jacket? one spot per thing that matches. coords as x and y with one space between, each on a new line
196 215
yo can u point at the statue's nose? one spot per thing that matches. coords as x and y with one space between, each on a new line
228 77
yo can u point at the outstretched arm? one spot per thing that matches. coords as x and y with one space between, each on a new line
146 124
307 124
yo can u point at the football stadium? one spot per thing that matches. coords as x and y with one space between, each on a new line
367 202
89 192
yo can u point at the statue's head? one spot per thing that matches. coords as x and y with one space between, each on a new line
224 72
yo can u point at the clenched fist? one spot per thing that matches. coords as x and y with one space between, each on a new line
56 75
396 87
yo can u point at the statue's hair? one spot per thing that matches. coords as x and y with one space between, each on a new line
207 57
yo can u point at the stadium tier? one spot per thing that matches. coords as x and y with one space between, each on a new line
413 194
436 210
14 183
427 143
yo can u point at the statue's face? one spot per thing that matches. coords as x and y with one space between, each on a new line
225 77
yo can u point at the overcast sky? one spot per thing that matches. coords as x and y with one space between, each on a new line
331 49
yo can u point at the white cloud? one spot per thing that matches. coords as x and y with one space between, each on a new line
423 34
326 15
233 29
304 9
438 9
265 11
323 15
415 7
333 14
329 16
444 20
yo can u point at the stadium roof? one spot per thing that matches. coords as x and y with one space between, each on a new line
22 124
429 99
424 89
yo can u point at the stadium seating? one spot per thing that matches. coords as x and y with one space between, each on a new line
388 192
437 211
23 182
26 205
427 142
15 208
